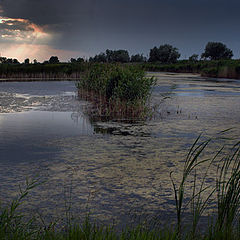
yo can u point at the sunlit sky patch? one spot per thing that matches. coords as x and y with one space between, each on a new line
40 52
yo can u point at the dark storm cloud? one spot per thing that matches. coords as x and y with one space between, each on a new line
137 25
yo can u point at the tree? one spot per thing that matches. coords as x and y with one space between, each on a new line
193 58
217 51
73 60
53 60
111 56
15 61
80 60
138 58
165 54
117 56
26 61
3 60
100 58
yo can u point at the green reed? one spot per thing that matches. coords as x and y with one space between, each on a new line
116 91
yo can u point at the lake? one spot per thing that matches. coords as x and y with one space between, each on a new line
118 171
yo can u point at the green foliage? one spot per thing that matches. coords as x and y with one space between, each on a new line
213 68
217 51
26 61
121 56
99 58
111 56
78 60
122 82
116 91
193 58
12 223
41 70
53 60
138 58
210 72
164 54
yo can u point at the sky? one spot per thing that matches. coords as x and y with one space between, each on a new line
39 29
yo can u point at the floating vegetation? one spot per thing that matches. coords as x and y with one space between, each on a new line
223 198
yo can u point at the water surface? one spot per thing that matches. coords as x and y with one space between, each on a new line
118 170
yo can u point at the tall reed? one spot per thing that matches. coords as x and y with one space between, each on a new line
116 91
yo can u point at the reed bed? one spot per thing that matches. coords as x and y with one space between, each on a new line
116 92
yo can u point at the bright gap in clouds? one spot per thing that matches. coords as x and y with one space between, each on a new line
37 51
21 39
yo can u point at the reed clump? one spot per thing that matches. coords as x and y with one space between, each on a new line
116 91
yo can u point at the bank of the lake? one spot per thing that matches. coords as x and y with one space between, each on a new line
73 71
229 69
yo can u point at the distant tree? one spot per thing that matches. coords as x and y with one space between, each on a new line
111 56
9 61
165 54
26 61
45 62
12 61
99 58
73 60
217 51
35 61
193 58
3 60
15 61
53 60
154 55
79 60
138 58
117 56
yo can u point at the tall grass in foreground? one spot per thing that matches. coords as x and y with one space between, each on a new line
116 91
224 220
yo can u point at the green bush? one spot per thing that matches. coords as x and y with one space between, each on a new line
122 82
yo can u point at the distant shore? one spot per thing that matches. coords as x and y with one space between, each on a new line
229 69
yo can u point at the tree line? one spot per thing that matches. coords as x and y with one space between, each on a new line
165 54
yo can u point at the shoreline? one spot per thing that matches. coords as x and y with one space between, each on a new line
37 79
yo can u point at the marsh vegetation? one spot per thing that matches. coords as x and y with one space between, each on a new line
116 91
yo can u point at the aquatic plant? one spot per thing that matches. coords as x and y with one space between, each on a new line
116 91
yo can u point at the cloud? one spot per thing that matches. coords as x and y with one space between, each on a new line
22 31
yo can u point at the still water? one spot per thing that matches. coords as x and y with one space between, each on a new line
118 171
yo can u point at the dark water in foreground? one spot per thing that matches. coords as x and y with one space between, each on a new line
44 132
